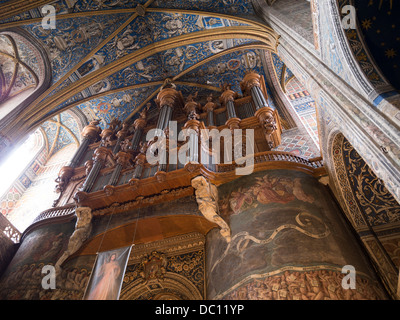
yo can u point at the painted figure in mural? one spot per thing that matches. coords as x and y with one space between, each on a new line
107 288
269 189
127 42
175 58
305 285
173 24
217 45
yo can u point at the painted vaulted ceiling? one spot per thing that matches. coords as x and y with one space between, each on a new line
379 21
109 58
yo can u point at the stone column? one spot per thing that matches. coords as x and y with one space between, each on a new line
288 242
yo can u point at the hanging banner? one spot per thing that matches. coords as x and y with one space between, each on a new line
106 280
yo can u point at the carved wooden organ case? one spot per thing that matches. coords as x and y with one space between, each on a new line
111 166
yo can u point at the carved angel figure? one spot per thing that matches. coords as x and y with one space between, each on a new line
207 199
83 228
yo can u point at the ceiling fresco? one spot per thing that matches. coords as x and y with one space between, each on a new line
73 39
18 71
379 24
110 58
234 7
59 132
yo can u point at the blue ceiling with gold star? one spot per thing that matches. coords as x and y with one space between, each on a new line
380 26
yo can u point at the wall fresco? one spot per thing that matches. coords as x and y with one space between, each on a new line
279 219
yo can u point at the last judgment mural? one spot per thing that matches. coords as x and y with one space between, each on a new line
284 226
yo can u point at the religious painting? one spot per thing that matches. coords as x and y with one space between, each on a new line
106 279
280 220
212 22
91 65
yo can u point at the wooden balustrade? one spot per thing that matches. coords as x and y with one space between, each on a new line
55 213
9 230
176 177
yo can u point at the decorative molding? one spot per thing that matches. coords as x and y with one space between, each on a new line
14 7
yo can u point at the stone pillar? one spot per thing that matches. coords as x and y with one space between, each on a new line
289 241
99 158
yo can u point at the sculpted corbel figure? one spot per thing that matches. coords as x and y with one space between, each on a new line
63 178
88 166
269 123
207 199
83 227
143 113
92 131
210 105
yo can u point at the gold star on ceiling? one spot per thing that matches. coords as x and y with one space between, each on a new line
366 24
390 53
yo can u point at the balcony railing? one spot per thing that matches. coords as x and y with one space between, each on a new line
55 213
150 171
9 230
